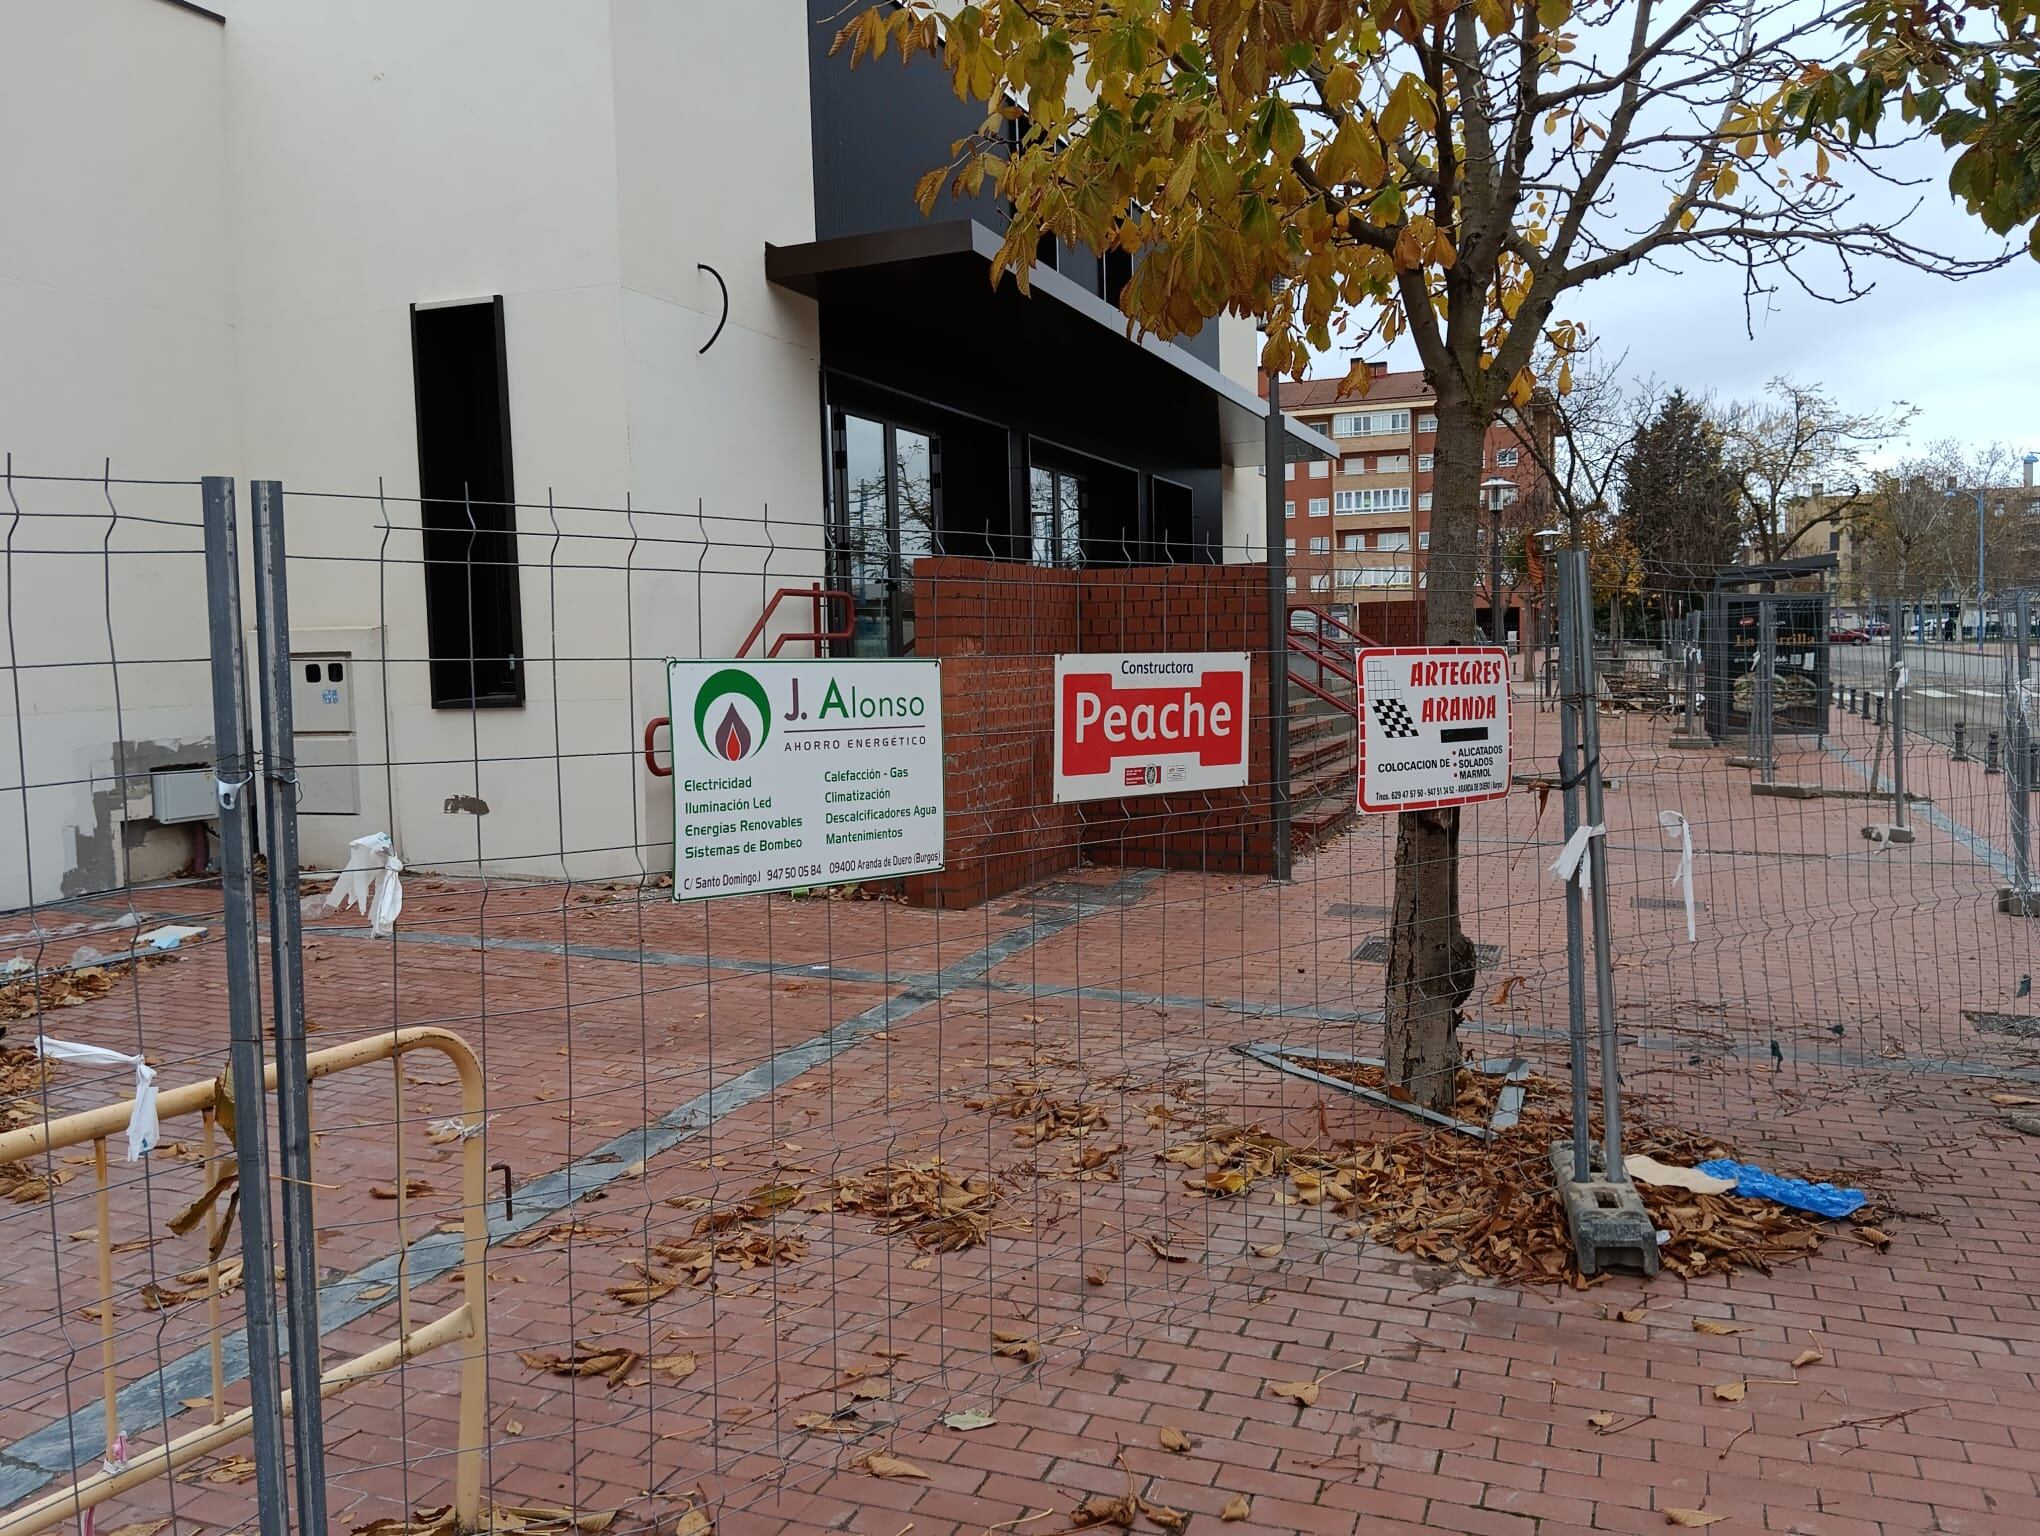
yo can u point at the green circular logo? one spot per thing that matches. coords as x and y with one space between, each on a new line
726 733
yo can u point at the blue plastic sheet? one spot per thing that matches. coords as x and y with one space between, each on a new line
1821 1199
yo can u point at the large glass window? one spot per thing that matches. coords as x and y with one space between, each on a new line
888 489
1056 508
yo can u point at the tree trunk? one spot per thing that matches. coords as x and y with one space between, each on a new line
1431 960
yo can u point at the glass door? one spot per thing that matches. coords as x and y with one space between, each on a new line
888 508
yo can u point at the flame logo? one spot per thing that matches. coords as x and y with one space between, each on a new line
726 732
731 739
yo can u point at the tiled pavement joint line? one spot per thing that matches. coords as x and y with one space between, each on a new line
60 1447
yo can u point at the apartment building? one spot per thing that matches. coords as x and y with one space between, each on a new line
1360 523
486 273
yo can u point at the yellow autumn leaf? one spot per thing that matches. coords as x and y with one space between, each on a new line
1731 1391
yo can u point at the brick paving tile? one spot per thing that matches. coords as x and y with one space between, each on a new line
1461 1405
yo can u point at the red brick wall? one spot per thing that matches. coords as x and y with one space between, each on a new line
1390 623
998 627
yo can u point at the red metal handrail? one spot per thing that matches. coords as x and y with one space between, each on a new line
822 634
1329 697
821 597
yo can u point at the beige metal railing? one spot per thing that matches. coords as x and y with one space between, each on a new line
466 1325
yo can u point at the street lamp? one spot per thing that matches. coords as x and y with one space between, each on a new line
1979 561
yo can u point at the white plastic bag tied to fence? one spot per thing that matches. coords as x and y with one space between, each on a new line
1674 822
141 1126
1572 862
370 883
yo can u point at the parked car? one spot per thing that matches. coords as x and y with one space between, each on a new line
1848 637
1879 628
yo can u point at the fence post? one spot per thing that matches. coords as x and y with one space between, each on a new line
1572 699
1898 682
1762 731
1276 457
233 752
1597 864
287 995
2018 899
1692 673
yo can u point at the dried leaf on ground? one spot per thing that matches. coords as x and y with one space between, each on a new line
871 1391
689 1522
967 1419
1238 1507
1096 1277
1633 1315
140 1528
1874 1236
843 1422
1601 1420
1303 1393
1174 1440
1028 1350
1731 1391
675 1367
561 1232
1267 1250
513 1426
1103 1509
613 1362
1046 1116
1489 1209
879 1464
1161 1515
644 1291
1692 1518
230 1469
940 1212
1807 1357
413 1189
1716 1326
159 1298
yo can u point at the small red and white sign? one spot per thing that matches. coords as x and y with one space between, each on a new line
1152 724
1434 726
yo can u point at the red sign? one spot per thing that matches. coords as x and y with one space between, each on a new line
1153 724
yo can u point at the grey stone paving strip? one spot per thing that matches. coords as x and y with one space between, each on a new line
58 1448
1983 848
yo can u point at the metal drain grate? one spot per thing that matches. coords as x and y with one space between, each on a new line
1375 952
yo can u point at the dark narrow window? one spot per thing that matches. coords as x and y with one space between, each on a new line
474 622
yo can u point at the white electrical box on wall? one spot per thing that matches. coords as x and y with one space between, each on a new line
183 794
322 722
322 694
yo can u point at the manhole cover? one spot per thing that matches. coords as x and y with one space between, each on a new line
2024 1025
1375 952
1352 909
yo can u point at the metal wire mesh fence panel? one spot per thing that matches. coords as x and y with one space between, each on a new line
761 1183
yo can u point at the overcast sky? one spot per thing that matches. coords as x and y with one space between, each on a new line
1967 354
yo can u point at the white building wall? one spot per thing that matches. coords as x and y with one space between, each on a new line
116 261
301 177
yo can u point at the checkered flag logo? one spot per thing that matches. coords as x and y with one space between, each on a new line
1393 716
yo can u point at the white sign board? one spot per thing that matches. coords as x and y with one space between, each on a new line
798 773
1434 726
1151 724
